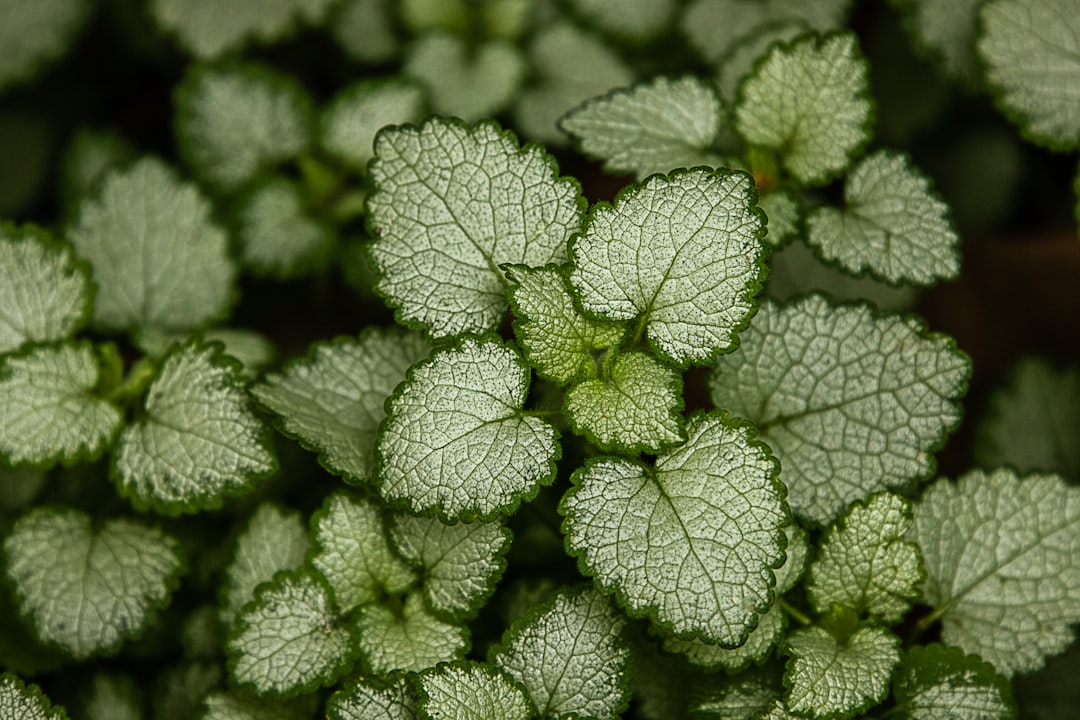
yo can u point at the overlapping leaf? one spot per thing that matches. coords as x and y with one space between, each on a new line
407 638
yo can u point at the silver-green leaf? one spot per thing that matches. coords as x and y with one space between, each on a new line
470 81
407 637
369 698
277 237
350 122
19 701
934 682
470 691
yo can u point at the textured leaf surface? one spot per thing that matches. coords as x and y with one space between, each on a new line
827 679
86 588
45 294
289 640
332 400
374 699
570 656
349 124
471 691
692 541
197 440
1032 54
208 28
851 402
158 260
653 127
1002 560
470 82
809 101
409 639
460 563
451 204
48 411
893 225
864 562
33 33
455 439
277 237
680 253
935 682
637 407
19 701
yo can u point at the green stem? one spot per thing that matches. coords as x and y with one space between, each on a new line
799 615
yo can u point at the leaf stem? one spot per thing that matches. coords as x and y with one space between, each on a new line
798 615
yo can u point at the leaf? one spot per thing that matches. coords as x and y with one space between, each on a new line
830 679
636 408
365 29
455 439
741 697
87 585
681 254
743 54
351 551
290 640
407 637
278 238
470 691
197 440
690 542
569 654
851 401
1031 51
451 204
808 101
236 705
88 156
48 408
158 259
939 682
636 21
368 698
893 225
332 400
784 212
349 123
652 127
864 563
1002 556
946 32
45 292
19 701
461 563
467 81
35 34
273 540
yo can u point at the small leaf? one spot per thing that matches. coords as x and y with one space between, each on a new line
87 585
290 640
455 439
277 237
45 292
332 400
1002 560
158 260
864 563
34 34
451 204
197 441
652 127
636 408
851 401
408 638
635 21
809 101
461 563
48 410
470 82
351 120
939 682
19 701
830 679
893 225
570 655
470 691
690 542
680 253
1031 49
369 698
785 213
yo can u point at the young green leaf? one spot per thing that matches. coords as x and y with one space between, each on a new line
826 678
333 399
461 563
681 254
368 698
290 640
809 102
87 586
350 122
452 203
470 82
351 551
470 691
455 439
570 655
45 293
157 257
893 225
652 127
19 701
691 542
34 34
934 681
197 440
48 409
1032 53
635 408
1002 560
864 562
635 21
407 637
277 237
850 401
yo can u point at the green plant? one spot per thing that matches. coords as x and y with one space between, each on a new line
638 457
